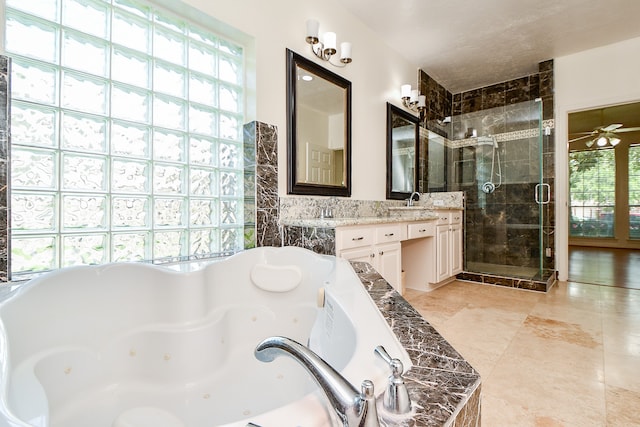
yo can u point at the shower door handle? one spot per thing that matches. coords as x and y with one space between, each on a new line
537 194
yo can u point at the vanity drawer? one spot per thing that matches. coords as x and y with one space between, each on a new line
355 237
456 217
388 233
443 218
421 229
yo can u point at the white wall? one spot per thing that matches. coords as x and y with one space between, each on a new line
594 78
376 74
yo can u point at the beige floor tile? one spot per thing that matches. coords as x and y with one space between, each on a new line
623 407
569 357
564 396
622 333
622 371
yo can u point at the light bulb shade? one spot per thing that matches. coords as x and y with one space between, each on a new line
614 140
329 41
414 96
602 141
345 51
405 91
312 31
422 101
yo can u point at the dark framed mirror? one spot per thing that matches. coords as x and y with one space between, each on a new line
402 153
318 129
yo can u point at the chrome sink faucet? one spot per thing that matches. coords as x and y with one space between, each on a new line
410 199
354 409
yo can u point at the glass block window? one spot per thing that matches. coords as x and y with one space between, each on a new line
592 193
634 192
126 135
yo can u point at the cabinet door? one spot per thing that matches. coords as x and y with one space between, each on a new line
390 264
442 253
455 242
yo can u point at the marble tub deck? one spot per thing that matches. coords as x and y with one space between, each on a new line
444 387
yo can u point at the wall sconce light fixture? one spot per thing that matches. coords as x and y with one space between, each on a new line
412 99
326 48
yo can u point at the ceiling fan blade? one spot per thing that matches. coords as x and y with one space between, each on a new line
593 132
611 127
627 130
579 138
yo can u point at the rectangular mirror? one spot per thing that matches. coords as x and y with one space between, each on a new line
402 150
318 129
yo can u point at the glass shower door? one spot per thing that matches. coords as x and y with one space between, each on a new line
507 198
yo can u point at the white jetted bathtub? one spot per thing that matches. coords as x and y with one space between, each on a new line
134 345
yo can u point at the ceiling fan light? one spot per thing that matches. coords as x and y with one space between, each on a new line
602 141
614 140
590 143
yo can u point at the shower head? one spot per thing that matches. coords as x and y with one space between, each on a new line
442 122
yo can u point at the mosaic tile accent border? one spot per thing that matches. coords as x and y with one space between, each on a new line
5 73
503 137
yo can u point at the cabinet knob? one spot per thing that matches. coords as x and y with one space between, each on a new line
357 238
389 234
381 253
373 255
422 230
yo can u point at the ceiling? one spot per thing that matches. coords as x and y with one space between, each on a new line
467 44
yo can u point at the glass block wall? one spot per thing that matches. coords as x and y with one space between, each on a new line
126 135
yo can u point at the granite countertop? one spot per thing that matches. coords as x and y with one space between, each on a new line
443 386
401 214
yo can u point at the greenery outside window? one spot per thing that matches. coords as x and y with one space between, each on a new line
126 135
592 193
634 191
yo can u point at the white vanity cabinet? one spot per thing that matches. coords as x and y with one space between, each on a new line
379 245
448 244
428 251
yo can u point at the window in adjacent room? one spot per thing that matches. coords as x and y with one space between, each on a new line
592 193
634 191
126 135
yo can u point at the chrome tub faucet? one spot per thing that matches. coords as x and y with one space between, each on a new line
355 409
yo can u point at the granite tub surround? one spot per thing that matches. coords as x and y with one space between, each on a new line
444 388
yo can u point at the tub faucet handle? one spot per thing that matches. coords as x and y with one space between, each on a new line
396 396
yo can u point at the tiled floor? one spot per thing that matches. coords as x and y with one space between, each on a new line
570 357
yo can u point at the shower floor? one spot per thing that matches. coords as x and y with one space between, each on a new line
502 270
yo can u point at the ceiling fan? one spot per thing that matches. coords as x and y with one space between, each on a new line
604 135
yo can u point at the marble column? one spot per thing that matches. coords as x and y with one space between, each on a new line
261 192
5 72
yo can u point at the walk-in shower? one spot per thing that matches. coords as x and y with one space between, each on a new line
500 168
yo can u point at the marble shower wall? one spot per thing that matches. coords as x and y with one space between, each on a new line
5 72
